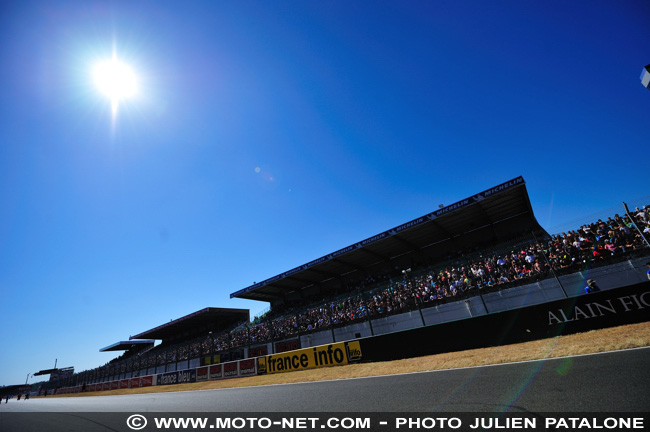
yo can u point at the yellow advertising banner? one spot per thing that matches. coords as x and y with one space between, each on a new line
308 358
354 351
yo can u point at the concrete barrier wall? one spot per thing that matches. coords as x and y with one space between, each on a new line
526 295
624 273
399 322
353 331
618 275
317 338
454 311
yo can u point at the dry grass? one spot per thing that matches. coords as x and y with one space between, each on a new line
629 336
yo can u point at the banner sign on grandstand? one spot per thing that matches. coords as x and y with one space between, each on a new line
230 369
247 367
202 373
354 351
419 221
147 381
309 358
134 382
215 372
179 377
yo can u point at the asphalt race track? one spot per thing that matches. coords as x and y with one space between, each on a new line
612 382
615 382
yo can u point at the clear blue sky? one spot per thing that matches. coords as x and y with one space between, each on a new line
267 134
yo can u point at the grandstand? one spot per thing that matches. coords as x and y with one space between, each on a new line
484 254
494 216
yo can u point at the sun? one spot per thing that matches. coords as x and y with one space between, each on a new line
115 80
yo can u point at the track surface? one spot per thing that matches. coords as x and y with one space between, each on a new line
611 382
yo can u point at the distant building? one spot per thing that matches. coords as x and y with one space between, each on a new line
645 77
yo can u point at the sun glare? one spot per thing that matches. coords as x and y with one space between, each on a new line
116 80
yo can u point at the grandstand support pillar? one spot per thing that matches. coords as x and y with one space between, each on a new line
551 267
372 331
627 212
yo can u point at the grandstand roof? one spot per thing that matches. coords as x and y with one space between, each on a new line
127 345
55 370
202 321
496 214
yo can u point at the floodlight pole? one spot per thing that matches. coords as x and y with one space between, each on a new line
26 379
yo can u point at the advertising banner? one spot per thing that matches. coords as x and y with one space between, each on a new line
178 377
308 358
216 372
146 381
134 382
187 376
115 385
354 351
247 367
230 369
124 383
106 385
202 373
